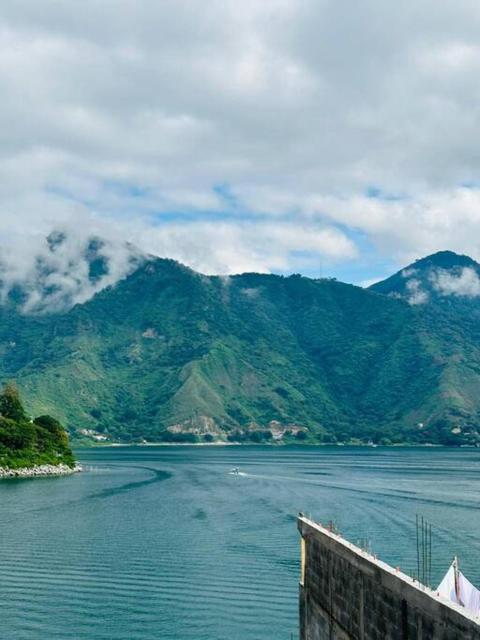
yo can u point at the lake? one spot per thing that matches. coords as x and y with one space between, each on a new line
162 542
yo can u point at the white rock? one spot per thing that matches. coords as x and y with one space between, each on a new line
39 470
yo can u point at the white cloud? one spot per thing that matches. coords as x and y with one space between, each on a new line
411 227
57 279
466 283
117 115
416 294
226 247
66 268
365 284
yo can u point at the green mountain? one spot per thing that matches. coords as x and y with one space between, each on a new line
439 276
170 354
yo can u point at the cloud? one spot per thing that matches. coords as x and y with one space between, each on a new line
365 284
337 131
466 283
64 269
416 294
413 226
54 269
228 247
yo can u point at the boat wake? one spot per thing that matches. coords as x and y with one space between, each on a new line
236 472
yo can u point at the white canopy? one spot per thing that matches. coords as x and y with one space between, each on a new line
457 588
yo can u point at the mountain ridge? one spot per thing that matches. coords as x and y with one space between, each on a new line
170 354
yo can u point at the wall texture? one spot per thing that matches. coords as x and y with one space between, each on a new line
346 594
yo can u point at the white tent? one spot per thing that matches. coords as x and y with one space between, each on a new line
457 588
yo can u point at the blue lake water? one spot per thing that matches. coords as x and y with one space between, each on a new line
162 542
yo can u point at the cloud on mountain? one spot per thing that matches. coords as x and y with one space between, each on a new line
275 135
57 269
416 294
63 269
466 283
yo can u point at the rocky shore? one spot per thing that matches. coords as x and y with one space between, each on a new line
41 470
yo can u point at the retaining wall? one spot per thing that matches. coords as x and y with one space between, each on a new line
347 594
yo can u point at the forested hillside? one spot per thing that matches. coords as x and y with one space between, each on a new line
170 354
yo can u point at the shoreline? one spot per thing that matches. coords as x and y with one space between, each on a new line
39 471
263 444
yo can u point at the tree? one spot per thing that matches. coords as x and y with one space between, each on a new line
53 427
10 404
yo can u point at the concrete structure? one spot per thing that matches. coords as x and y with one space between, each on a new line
347 594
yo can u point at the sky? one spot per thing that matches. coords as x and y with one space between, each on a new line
329 138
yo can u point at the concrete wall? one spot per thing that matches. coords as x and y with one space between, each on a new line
346 594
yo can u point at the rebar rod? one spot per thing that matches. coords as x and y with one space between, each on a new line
418 548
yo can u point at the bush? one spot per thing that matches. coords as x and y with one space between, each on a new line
260 436
179 438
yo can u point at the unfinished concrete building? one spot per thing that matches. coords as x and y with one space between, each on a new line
347 594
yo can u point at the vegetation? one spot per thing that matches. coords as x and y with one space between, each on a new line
169 354
25 442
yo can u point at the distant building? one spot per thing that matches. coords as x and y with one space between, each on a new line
90 433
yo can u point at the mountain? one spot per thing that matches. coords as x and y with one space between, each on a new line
439 276
444 291
170 354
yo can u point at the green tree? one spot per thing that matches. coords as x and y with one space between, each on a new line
10 404
53 426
